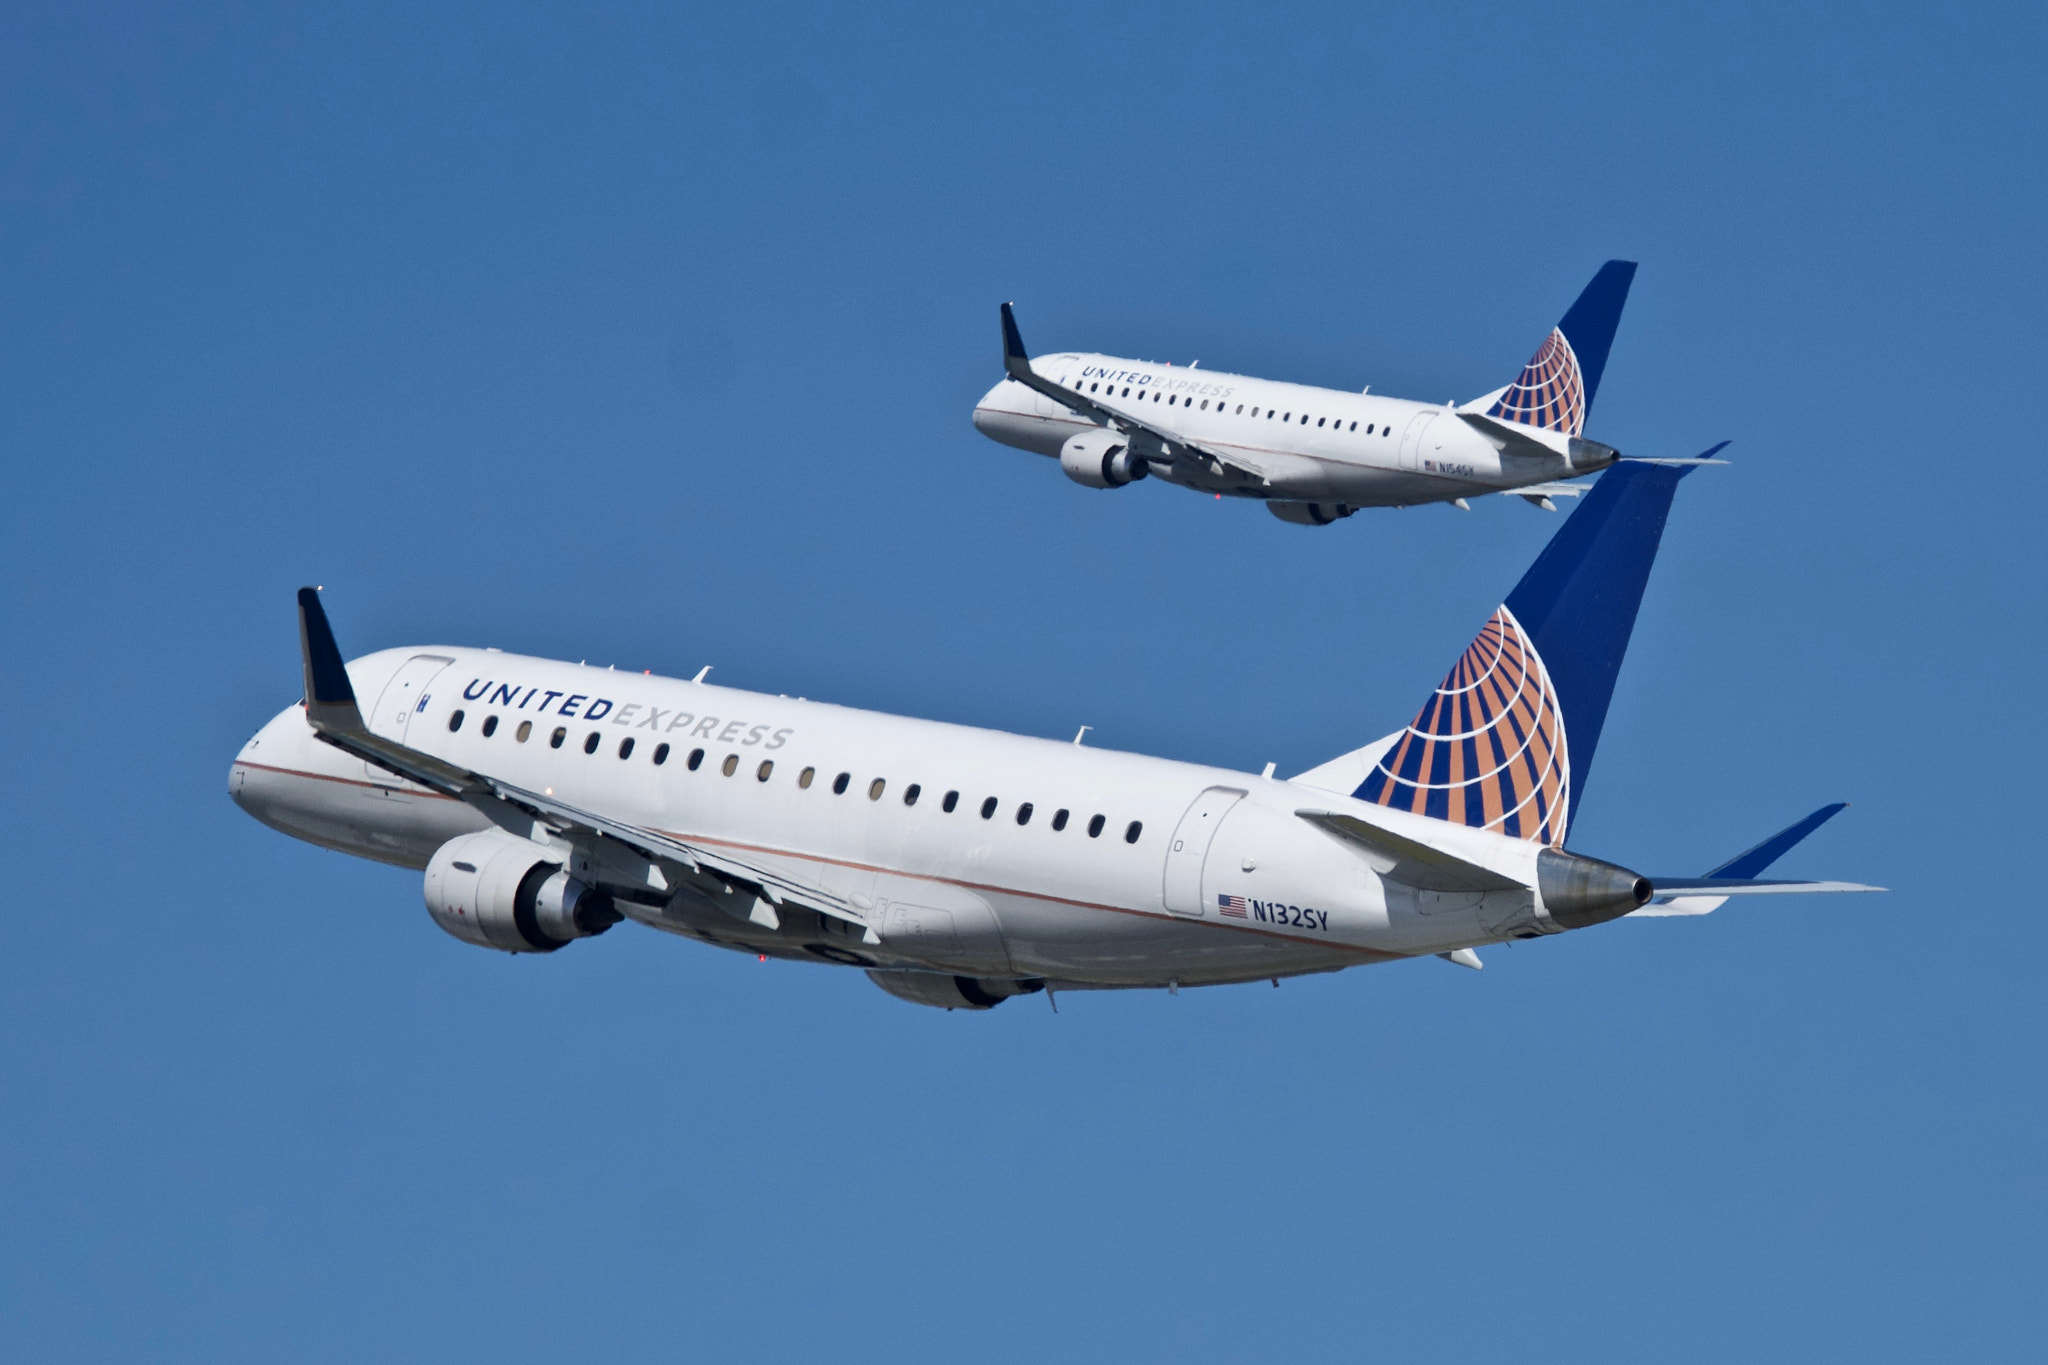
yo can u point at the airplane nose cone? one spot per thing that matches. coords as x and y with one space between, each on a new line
987 411
238 774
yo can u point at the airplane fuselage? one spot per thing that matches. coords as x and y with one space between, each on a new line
1330 446
972 851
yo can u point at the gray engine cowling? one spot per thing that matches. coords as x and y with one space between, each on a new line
1101 459
951 992
1309 513
497 890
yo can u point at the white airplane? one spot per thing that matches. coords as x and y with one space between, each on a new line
1317 455
546 801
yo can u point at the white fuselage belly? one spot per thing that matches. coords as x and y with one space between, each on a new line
1058 904
1371 451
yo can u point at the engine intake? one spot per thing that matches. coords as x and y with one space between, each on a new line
497 890
1101 459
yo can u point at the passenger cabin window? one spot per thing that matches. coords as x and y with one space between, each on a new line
490 726
454 721
952 800
660 754
625 748
910 794
525 729
1132 831
767 767
1319 421
988 808
839 783
591 742
1024 814
803 779
731 765
555 740
1059 819
696 758
875 789
1354 426
1095 828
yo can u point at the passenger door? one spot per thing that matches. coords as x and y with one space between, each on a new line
1411 439
1189 848
403 698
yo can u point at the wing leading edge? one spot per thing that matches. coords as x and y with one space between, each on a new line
337 720
1175 447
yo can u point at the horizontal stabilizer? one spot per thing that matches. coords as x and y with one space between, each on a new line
1407 861
1545 490
1737 886
1673 899
1704 457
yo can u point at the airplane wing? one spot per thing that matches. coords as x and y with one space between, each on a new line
1017 364
336 719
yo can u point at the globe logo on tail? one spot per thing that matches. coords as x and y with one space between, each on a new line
1550 393
1488 748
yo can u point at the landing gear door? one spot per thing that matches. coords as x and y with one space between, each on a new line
1189 848
404 697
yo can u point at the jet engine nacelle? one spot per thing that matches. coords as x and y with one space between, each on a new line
1310 513
1101 459
944 992
497 890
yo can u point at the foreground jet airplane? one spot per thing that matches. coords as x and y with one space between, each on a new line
1316 455
546 801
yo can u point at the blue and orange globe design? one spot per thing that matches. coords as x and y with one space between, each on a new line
1550 392
1488 749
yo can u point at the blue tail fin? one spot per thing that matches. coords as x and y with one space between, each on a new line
1505 743
1556 388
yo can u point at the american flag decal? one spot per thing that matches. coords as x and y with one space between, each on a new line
1233 906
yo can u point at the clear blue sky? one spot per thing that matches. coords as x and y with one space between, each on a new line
650 337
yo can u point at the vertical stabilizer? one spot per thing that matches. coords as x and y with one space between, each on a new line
1556 388
1507 739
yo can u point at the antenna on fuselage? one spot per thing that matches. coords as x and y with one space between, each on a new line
700 673
1082 731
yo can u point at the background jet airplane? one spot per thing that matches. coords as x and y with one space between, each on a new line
1316 455
547 801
